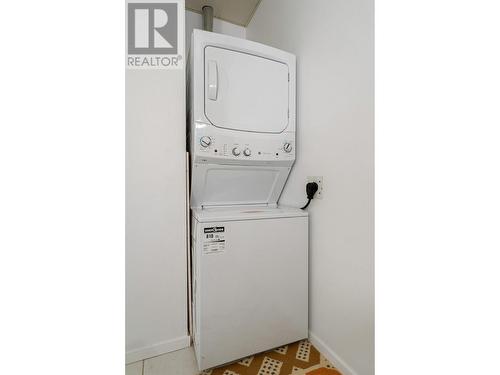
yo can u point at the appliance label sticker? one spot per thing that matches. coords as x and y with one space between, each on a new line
214 240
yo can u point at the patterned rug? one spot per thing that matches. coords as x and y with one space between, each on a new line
299 358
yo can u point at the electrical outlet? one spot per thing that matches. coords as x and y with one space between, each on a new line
319 181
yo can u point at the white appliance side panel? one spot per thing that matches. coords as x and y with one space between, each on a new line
195 301
245 92
253 287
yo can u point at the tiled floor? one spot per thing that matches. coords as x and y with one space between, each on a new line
180 362
298 358
183 362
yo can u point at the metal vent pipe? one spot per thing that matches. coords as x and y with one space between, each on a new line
208 17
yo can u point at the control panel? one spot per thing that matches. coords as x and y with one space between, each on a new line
280 147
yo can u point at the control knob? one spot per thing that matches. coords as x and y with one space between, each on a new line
236 151
287 147
247 152
205 141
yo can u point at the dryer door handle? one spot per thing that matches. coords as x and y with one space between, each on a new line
213 79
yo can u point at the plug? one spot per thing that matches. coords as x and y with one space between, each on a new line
311 189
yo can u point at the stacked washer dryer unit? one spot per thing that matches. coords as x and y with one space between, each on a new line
249 256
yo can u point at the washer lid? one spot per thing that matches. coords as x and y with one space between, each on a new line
245 213
246 92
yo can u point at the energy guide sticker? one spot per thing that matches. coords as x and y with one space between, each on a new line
214 240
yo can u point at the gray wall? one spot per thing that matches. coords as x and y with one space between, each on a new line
333 41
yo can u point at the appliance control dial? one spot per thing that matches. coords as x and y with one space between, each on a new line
236 151
247 152
205 141
287 147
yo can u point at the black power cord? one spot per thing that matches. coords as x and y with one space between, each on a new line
307 204
311 189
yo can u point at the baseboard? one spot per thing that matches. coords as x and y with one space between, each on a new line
333 357
157 349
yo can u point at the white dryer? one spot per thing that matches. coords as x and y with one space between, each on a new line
249 256
242 121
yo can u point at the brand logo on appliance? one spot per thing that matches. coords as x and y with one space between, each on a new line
213 230
154 35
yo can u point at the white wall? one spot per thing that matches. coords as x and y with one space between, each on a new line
333 41
194 21
156 266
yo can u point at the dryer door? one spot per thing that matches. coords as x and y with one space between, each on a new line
245 92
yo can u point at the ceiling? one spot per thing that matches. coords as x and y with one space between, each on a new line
239 12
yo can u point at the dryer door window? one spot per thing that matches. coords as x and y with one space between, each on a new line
245 92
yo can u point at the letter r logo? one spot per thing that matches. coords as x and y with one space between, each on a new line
152 28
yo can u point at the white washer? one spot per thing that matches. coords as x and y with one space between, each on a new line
250 271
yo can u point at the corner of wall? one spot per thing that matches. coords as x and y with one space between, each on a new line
333 357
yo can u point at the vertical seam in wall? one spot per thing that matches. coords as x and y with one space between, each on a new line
251 15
